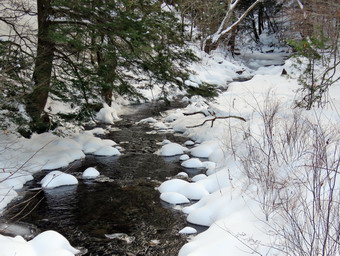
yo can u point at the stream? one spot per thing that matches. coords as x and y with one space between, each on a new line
120 212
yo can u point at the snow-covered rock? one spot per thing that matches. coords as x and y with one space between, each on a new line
107 115
205 149
172 149
188 231
107 151
173 185
49 243
189 143
182 174
199 177
174 198
57 178
192 163
90 173
184 157
148 120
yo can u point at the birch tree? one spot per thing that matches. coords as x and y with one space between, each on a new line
230 22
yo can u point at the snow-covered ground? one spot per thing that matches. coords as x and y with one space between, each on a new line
224 198
242 211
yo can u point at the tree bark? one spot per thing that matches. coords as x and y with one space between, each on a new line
36 100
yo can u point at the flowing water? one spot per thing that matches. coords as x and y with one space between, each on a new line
119 213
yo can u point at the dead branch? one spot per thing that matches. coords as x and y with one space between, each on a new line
217 117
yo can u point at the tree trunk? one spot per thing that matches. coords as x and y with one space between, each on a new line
36 100
212 41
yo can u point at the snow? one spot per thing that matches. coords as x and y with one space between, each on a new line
198 177
227 200
223 198
172 185
21 157
46 243
188 231
189 143
182 174
148 120
57 178
159 126
174 198
90 173
184 157
172 149
205 149
106 151
192 163
107 115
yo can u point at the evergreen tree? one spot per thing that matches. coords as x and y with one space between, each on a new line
88 49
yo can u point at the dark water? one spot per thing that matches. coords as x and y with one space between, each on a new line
120 213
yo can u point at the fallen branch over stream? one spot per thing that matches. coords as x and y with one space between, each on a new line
212 120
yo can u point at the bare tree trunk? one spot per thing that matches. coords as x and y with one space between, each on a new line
36 100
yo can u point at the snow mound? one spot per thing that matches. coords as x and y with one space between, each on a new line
148 120
172 185
107 115
188 231
192 191
199 177
182 174
57 178
174 198
192 163
205 149
48 243
189 143
184 157
159 126
90 173
172 149
107 151
164 142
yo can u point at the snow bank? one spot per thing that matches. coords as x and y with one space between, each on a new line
226 201
21 157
